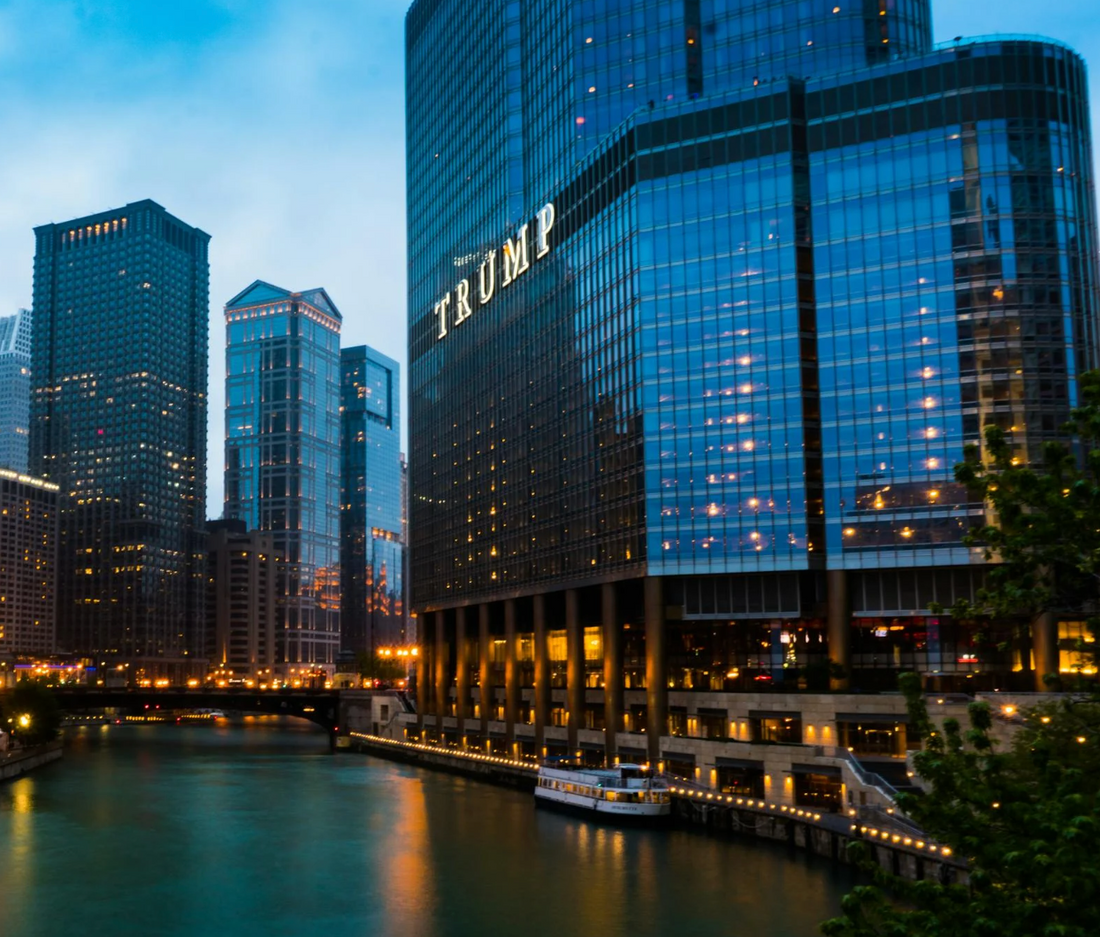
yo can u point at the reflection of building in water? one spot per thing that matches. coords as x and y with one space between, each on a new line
372 537
282 455
699 446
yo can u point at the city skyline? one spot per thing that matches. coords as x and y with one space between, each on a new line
157 104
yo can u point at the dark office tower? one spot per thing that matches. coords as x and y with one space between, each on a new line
15 389
243 571
371 536
282 457
700 320
118 420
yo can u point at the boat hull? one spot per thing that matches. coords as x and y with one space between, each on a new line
625 814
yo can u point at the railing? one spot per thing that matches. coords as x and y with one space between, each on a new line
1000 37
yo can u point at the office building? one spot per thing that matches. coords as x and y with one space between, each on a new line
118 421
698 328
28 565
15 390
243 575
371 535
282 457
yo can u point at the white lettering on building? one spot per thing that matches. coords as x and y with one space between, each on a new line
515 260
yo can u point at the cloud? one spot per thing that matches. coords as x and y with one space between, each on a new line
280 134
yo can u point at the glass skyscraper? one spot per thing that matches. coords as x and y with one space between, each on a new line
282 457
15 390
118 421
371 536
705 299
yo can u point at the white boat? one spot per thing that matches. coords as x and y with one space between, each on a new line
625 792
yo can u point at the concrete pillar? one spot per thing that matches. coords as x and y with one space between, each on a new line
542 672
442 679
1044 647
839 626
511 670
423 689
462 671
656 669
612 669
485 651
574 642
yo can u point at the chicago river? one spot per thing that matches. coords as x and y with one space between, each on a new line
254 828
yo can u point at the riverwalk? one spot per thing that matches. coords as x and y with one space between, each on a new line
15 763
896 846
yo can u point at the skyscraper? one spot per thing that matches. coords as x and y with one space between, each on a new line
15 389
282 456
698 329
28 564
118 421
371 534
243 571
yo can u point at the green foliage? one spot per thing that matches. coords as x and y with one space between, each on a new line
1044 528
380 668
1027 821
37 702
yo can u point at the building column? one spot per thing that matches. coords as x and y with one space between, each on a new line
485 661
612 670
462 671
656 666
423 689
511 671
442 684
542 672
839 623
1044 648
574 643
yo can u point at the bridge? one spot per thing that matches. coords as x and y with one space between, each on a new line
332 710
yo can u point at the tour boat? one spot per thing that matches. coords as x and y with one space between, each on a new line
625 792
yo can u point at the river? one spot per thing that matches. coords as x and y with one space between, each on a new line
253 828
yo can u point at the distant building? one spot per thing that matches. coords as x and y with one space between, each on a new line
15 389
28 564
282 456
372 552
243 575
118 421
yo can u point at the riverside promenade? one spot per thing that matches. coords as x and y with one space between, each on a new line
15 763
896 846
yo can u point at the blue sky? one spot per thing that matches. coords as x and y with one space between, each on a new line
276 126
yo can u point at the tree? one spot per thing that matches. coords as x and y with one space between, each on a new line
31 714
1044 527
1027 821
380 668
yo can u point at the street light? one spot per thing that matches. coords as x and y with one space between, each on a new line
24 721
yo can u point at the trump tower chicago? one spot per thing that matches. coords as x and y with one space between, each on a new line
705 299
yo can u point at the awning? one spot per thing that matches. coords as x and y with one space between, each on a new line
827 770
773 714
878 718
739 763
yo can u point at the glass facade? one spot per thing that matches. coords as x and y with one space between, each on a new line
282 456
118 421
372 539
797 258
15 390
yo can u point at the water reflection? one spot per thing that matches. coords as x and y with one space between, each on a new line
406 865
256 829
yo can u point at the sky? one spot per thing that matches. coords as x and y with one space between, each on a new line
276 126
